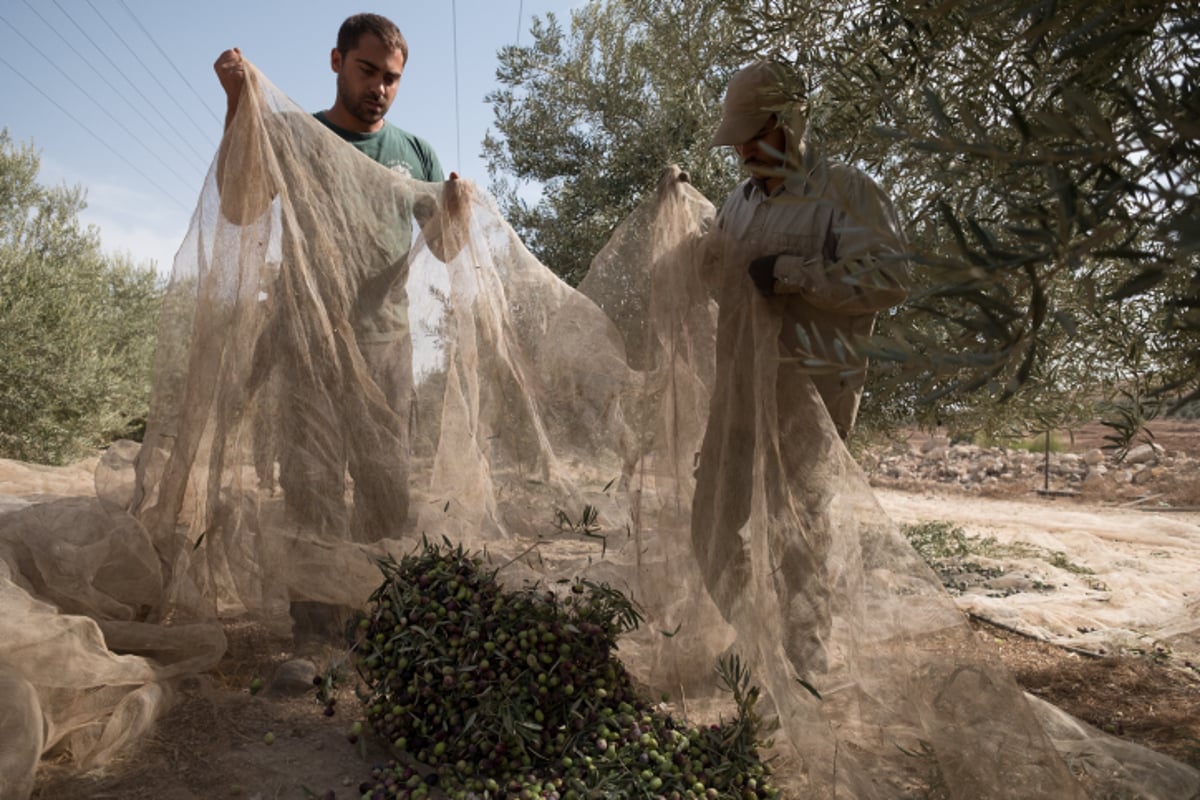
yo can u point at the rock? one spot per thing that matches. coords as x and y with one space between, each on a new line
294 677
1142 454
935 442
1012 582
1142 476
936 453
971 468
115 481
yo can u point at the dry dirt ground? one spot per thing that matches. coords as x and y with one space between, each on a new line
212 744
1148 699
1179 435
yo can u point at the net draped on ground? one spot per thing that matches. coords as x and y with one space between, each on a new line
349 360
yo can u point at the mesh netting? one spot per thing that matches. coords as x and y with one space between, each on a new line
349 360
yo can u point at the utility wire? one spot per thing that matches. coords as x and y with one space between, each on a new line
108 113
520 16
100 50
457 118
152 74
95 135
182 77
170 140
204 129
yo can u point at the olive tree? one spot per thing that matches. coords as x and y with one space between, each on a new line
76 326
588 116
1044 158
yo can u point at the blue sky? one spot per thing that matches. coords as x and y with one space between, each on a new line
119 96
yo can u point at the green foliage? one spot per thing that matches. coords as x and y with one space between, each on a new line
937 540
1189 410
1126 419
1133 404
77 327
519 693
953 554
592 115
1034 442
1044 157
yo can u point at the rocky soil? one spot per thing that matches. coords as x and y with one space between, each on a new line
213 742
1162 471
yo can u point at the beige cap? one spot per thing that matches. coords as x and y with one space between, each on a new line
754 93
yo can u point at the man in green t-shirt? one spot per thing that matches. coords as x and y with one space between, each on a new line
368 60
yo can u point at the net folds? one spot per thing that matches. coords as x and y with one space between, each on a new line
349 360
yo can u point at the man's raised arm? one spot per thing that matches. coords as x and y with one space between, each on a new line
242 182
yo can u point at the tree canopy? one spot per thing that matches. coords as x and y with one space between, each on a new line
77 326
593 115
1044 157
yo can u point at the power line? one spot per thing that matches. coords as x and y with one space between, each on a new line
154 41
118 122
149 71
457 118
94 135
520 16
168 139
100 50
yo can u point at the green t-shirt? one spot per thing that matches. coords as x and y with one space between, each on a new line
393 148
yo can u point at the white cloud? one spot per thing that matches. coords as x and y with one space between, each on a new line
134 221
128 234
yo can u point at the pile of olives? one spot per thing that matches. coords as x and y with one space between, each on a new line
502 693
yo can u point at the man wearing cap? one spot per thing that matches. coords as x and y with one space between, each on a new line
821 244
820 240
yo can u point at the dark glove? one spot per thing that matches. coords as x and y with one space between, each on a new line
762 272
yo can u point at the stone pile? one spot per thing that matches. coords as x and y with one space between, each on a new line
971 468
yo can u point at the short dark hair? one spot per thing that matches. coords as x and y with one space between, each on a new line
355 26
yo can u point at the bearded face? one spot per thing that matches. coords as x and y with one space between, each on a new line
368 77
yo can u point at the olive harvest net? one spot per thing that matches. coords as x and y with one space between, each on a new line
349 360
